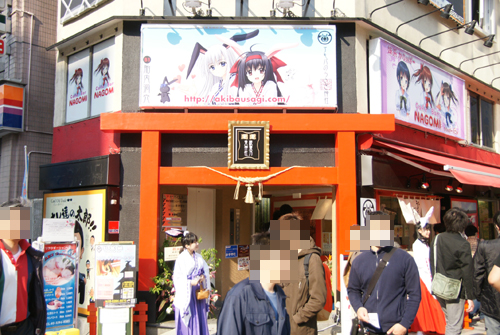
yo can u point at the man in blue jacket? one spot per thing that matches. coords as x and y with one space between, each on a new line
257 305
393 303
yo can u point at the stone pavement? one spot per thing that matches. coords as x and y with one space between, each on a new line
168 328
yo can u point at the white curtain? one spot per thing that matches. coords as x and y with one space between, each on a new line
421 206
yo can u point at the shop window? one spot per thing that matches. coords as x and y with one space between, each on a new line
90 82
486 225
483 11
389 203
481 121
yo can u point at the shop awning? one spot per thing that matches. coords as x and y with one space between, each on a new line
464 171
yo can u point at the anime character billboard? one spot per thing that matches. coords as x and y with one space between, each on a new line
238 66
103 89
78 86
417 93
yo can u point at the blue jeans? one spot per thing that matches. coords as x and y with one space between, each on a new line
492 325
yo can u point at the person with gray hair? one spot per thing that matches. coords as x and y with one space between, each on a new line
22 302
484 260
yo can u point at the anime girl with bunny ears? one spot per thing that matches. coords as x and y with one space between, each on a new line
213 68
430 317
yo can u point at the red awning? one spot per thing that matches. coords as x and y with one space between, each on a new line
465 172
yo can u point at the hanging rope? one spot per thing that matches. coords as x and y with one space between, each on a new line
249 182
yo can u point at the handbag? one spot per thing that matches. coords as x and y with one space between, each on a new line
357 329
442 286
201 293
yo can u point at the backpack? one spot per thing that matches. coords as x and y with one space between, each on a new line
306 268
324 314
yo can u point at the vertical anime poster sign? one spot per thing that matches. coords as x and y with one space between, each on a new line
419 94
77 100
60 275
87 208
238 65
102 75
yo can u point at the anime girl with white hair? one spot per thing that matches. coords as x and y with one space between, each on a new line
213 67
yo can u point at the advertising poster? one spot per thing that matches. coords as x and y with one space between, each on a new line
174 210
87 208
237 65
102 75
77 100
243 250
60 275
231 251
243 263
469 207
115 276
419 94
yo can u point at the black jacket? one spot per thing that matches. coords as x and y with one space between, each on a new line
247 311
36 297
484 259
454 260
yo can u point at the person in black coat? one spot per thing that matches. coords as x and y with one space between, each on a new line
486 254
454 260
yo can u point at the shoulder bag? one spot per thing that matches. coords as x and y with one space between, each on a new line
357 329
442 286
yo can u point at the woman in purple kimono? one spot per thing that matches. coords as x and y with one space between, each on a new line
190 270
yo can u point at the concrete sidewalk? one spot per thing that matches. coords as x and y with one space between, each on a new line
168 328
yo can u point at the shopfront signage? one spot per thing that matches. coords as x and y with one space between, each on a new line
248 145
11 108
233 65
419 94
88 208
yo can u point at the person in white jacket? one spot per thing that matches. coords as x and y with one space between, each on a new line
421 253
430 317
190 271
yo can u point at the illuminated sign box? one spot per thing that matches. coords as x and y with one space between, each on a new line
419 94
11 108
235 65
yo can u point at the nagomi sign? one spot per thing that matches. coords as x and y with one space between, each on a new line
228 65
418 93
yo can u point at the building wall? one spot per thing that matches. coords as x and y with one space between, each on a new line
228 274
39 94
